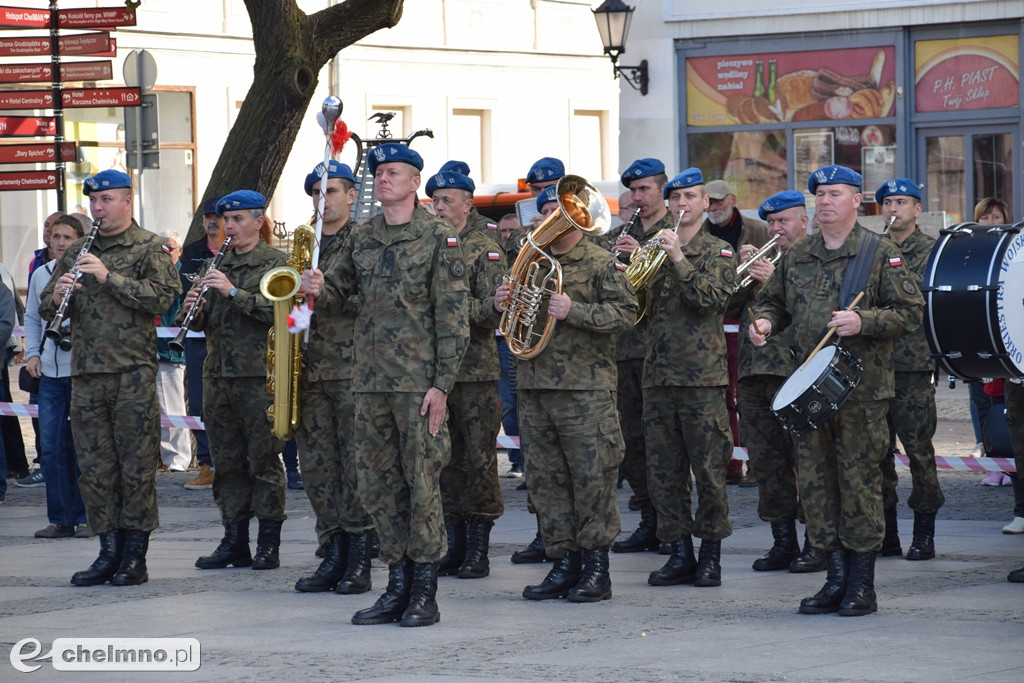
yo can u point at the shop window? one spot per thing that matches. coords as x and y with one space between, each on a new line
752 162
869 150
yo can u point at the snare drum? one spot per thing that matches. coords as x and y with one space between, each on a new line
974 301
817 390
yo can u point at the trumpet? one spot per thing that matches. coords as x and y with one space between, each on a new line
53 330
644 263
625 230
771 251
178 343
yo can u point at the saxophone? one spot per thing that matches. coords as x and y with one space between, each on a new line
284 349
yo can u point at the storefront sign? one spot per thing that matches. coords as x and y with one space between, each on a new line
966 73
818 85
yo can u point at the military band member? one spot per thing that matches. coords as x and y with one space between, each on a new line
325 435
912 410
544 173
408 274
470 492
568 424
686 423
646 180
838 463
235 316
127 281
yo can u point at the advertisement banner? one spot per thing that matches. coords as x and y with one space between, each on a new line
966 73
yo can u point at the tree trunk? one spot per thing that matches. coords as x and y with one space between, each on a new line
291 49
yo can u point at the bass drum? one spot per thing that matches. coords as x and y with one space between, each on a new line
974 301
817 390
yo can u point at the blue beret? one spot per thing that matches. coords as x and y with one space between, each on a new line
210 205
548 195
394 151
642 168
334 170
834 175
902 186
449 180
546 168
781 201
239 200
455 167
106 180
688 178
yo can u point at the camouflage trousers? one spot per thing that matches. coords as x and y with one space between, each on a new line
630 399
327 458
250 476
770 448
840 478
1015 422
470 488
399 464
687 428
115 422
572 447
912 418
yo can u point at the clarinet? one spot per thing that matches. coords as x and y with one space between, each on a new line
178 343
53 330
626 228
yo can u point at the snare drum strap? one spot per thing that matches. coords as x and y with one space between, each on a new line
855 277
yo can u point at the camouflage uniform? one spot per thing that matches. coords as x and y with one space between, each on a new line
685 376
469 483
568 423
410 334
325 434
250 477
838 463
115 414
912 409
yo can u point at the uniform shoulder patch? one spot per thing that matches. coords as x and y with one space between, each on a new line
458 268
895 261
492 226
728 275
453 241
618 266
725 253
908 286
493 256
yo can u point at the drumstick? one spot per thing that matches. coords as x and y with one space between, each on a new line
753 321
831 331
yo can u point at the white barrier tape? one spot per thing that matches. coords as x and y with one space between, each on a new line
30 410
731 329
168 332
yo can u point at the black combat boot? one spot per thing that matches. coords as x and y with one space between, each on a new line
645 537
534 552
595 585
132 571
891 543
455 530
783 552
233 549
357 568
373 543
809 560
478 542
831 594
563 576
422 609
923 545
268 545
860 586
390 606
709 564
330 571
680 568
106 564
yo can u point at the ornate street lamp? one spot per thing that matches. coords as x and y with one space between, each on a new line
613 18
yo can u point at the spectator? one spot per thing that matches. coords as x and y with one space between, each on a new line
7 321
175 442
10 426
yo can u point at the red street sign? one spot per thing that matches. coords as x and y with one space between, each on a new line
78 44
28 180
104 17
87 71
23 17
27 126
102 97
42 153
26 99
43 73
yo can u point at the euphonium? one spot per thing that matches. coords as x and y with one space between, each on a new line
284 349
536 274
644 263
771 251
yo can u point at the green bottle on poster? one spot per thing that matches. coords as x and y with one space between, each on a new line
759 79
771 81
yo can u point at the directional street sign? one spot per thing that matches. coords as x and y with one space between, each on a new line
103 17
101 97
41 153
23 17
78 44
100 70
26 99
28 180
27 126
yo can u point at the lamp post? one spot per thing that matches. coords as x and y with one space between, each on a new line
613 18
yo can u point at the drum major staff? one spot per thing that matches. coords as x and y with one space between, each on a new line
838 463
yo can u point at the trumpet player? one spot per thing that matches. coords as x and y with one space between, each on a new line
127 280
325 434
686 423
912 410
235 317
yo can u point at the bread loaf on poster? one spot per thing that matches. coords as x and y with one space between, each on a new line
763 110
793 92
866 104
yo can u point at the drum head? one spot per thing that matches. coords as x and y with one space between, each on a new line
1010 301
804 377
